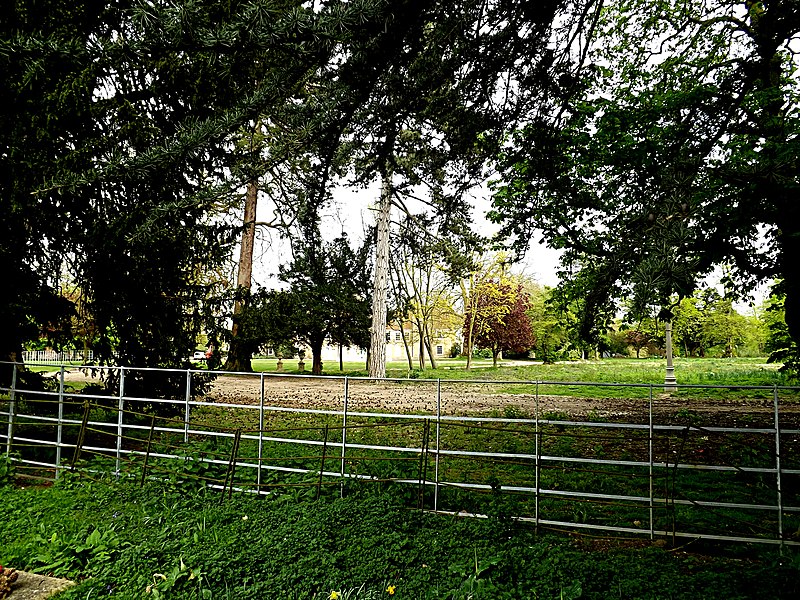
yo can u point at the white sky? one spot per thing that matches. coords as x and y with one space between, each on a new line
351 213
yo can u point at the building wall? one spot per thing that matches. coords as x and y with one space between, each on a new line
441 343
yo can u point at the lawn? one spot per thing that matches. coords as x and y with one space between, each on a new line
692 371
710 372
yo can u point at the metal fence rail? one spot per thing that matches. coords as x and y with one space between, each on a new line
696 479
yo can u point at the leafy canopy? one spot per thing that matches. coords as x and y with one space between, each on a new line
676 151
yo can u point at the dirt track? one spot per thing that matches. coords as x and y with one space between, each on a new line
479 397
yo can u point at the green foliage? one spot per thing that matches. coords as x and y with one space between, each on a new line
128 541
327 300
62 554
179 578
137 234
782 347
665 159
707 322
6 470
477 578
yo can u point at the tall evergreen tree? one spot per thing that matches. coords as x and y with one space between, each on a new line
114 146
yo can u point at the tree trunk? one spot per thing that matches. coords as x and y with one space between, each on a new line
239 357
428 345
495 354
470 320
407 349
316 356
377 355
421 333
789 241
468 347
341 358
394 278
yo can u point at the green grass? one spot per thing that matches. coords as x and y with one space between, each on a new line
120 541
713 372
352 368
707 371
294 497
693 371
736 372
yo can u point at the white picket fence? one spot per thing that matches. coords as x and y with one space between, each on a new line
51 356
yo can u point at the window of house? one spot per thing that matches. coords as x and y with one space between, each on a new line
439 350
388 336
398 336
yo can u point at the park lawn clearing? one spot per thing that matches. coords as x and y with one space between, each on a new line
711 372
118 540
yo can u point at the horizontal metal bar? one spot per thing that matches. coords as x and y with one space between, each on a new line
434 452
531 382
631 530
710 504
423 417
25 461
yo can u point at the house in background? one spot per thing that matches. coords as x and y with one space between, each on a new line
402 343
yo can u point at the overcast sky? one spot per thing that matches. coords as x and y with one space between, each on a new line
351 213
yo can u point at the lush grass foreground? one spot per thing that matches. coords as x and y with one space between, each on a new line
121 541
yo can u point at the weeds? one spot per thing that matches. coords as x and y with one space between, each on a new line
6 470
173 538
122 541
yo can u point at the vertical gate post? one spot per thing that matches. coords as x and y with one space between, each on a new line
778 465
650 453
438 439
260 434
422 473
229 475
60 426
537 453
344 431
147 453
322 462
187 414
120 408
11 407
81 434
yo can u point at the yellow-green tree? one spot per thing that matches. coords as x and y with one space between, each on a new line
496 318
489 268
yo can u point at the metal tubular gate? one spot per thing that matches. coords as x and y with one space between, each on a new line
785 505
